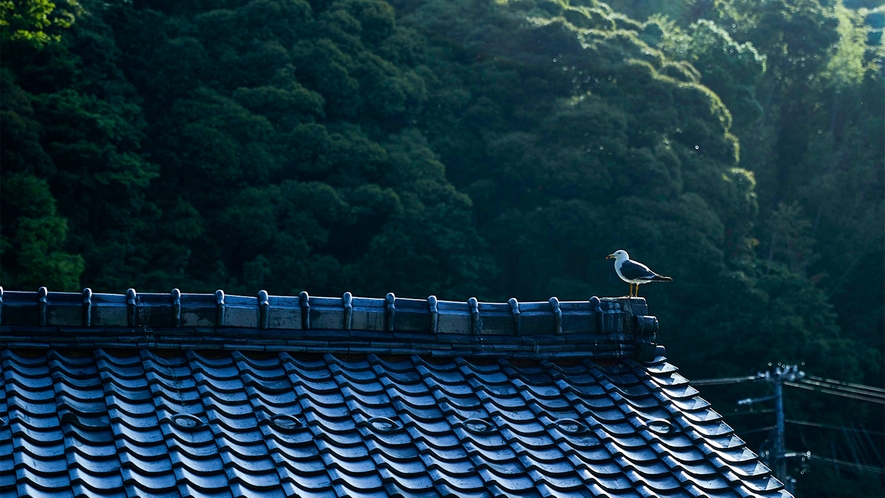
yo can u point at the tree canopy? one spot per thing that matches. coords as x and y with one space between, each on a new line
469 148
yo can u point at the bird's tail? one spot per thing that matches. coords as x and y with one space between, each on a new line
661 278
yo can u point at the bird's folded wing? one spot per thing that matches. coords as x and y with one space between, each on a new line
632 270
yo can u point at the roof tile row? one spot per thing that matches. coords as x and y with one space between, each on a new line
234 424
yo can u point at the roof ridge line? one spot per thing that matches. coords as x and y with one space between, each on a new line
612 327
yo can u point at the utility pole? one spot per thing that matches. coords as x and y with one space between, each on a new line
780 466
777 376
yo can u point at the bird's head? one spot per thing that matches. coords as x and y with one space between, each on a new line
620 255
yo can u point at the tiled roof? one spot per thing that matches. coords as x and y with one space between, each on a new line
396 399
601 328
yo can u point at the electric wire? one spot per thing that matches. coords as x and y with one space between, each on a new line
834 392
724 380
852 435
869 469
827 426
862 387
761 429
845 387
861 445
856 439
754 412
855 452
872 445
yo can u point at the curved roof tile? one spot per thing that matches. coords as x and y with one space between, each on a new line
214 395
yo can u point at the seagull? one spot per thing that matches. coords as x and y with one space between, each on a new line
634 272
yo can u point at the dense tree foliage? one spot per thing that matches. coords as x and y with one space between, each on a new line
470 147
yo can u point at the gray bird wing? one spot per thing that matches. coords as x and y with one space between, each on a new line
632 270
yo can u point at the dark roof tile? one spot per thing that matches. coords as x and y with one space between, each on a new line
411 466
253 479
309 487
206 476
301 465
139 482
7 473
242 490
615 483
26 487
695 490
658 483
394 484
559 481
46 474
460 481
96 483
44 461
479 409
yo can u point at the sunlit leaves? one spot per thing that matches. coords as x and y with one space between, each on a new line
731 69
846 66
36 22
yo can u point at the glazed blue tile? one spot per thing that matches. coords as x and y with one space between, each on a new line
139 483
243 490
202 478
252 459
709 485
28 488
309 488
726 441
614 482
353 482
96 483
96 460
118 411
413 488
155 465
462 481
697 468
511 479
658 482
559 482
44 478
196 488
254 479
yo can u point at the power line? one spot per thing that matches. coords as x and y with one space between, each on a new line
754 412
872 445
784 375
874 389
820 382
851 466
855 452
761 429
847 388
827 426
835 392
725 380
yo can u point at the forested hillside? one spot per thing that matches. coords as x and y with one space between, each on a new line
484 148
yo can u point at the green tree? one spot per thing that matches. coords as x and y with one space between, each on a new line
33 244
36 22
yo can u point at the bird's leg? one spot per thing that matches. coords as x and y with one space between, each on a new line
637 291
631 290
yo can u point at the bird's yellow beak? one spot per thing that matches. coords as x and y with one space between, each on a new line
610 256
